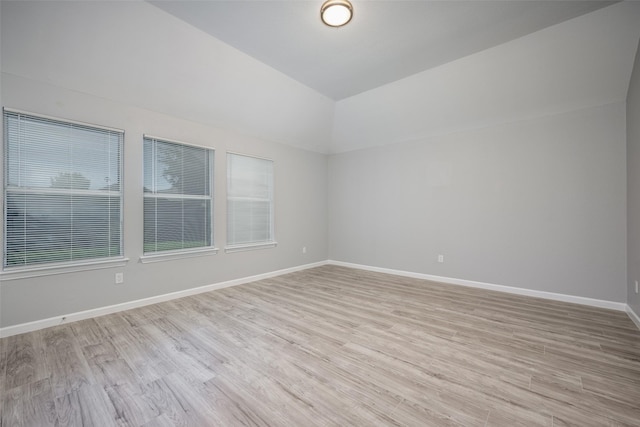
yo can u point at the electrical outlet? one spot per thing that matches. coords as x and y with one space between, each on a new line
636 286
440 258
119 278
304 249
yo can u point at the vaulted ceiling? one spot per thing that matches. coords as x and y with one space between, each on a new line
385 41
400 71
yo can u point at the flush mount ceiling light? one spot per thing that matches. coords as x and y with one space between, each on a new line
336 13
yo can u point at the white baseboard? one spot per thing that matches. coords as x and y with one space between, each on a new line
101 311
490 286
633 316
81 315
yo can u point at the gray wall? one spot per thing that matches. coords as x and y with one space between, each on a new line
537 204
152 73
633 186
300 210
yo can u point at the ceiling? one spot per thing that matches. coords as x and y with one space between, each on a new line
386 40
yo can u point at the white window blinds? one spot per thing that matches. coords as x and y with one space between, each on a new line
62 189
249 201
178 196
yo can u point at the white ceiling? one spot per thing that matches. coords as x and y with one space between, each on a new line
386 40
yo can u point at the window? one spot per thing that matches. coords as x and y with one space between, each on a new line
62 190
177 196
249 202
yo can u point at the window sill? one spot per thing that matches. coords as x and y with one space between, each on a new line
250 247
168 256
14 273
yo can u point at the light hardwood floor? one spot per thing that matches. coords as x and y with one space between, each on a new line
330 346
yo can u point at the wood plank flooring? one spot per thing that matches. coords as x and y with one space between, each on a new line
330 346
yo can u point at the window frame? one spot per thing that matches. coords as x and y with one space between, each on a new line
240 247
9 272
157 256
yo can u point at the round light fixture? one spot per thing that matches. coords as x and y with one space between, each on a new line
336 13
